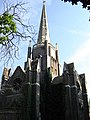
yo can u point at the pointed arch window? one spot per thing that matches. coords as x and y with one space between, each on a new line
17 84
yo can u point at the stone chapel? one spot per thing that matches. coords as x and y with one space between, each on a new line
40 91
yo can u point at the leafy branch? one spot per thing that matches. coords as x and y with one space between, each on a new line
85 3
13 30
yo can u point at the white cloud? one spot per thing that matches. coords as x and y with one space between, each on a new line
81 58
82 53
81 33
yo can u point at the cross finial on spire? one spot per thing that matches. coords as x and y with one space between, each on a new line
44 1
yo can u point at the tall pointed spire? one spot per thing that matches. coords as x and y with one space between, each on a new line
43 30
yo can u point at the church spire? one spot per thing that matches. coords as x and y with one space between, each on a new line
43 30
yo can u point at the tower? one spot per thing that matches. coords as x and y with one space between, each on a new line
43 48
42 58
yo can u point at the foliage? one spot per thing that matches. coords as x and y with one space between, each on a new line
7 27
85 3
13 30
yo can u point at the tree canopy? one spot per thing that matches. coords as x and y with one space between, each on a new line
13 30
7 27
85 3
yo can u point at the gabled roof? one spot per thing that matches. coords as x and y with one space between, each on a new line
18 73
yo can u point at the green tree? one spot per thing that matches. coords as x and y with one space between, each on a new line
85 3
13 30
7 27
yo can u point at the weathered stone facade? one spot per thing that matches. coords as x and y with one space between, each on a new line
39 92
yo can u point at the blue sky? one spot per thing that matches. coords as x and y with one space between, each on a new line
69 26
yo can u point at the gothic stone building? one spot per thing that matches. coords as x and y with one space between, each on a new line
39 92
